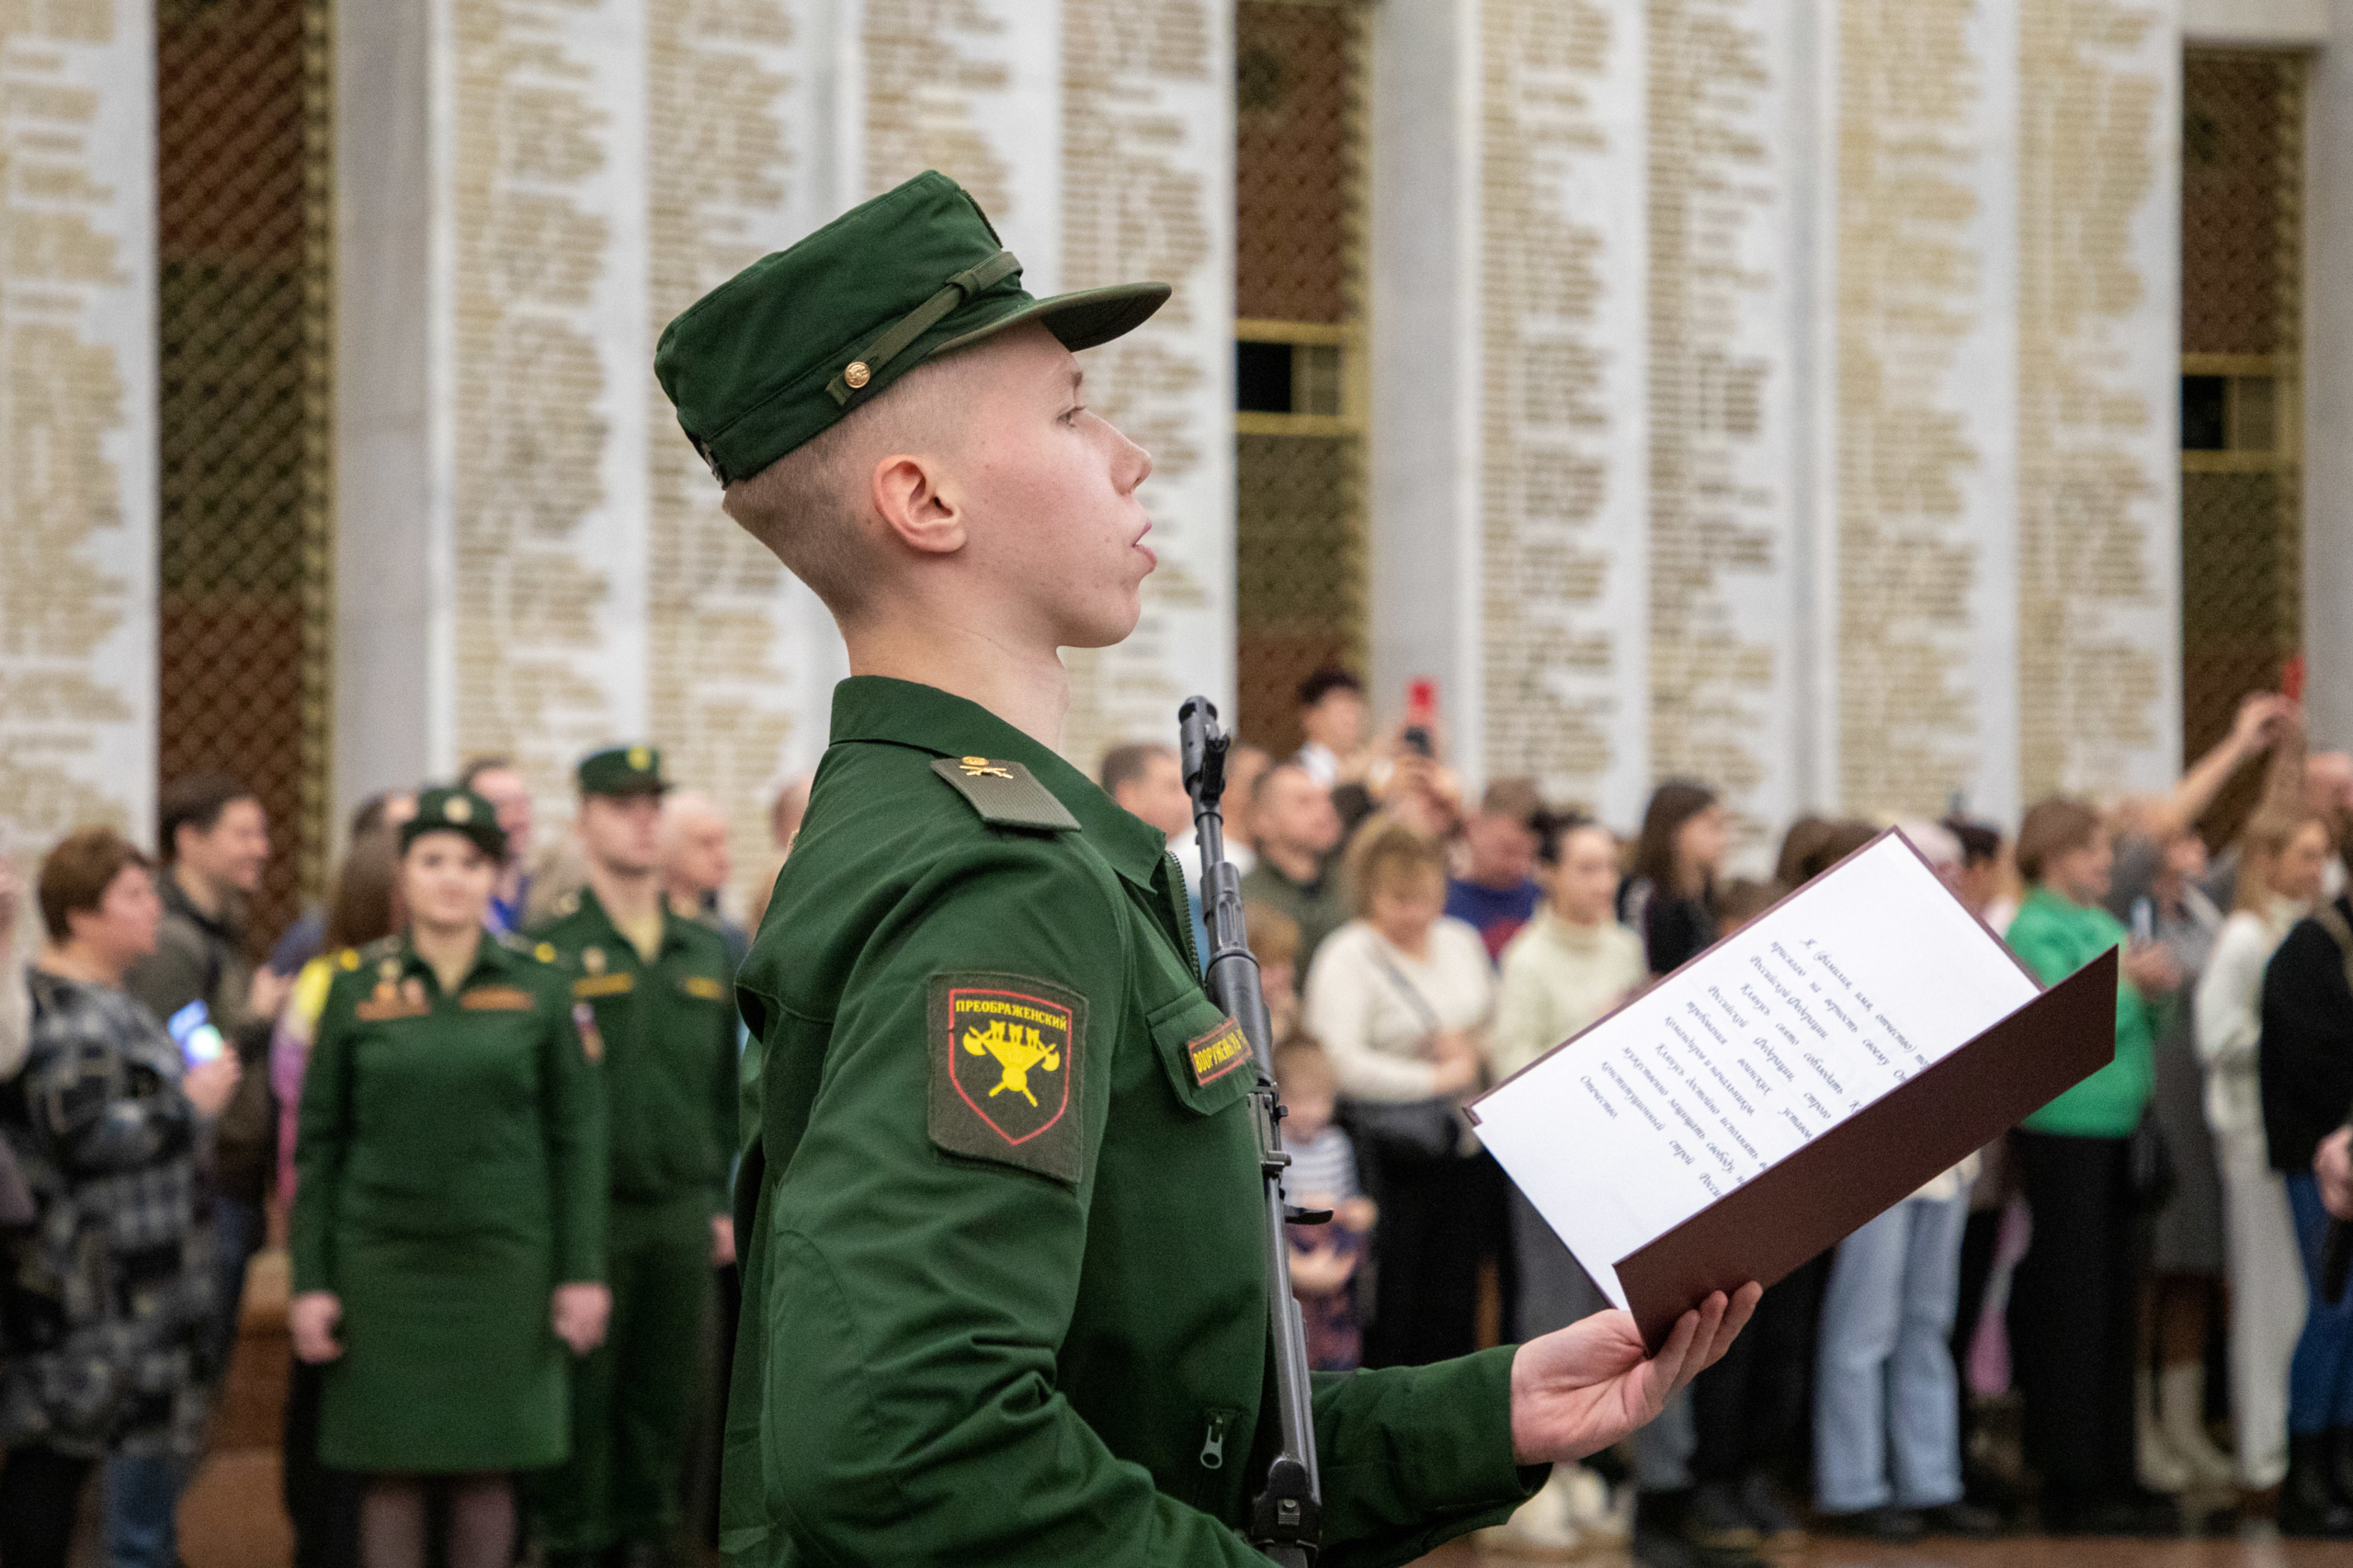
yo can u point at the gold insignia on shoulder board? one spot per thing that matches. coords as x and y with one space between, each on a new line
981 767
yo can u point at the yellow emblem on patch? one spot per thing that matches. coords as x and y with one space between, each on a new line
1017 1050
981 767
639 758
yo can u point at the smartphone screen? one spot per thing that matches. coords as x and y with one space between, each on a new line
194 1032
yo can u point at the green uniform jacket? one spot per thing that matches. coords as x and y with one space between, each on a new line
450 1174
669 1034
2056 937
1004 1296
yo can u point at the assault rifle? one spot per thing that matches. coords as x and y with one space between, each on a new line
1286 1516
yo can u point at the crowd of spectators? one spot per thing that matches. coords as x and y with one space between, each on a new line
2109 1320
2106 1321
151 1072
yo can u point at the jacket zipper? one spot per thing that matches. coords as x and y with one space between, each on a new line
1181 905
1214 1441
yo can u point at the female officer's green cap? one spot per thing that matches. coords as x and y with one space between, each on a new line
444 810
778 352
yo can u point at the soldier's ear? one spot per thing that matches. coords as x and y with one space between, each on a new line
908 494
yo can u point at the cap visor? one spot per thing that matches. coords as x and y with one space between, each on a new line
1080 320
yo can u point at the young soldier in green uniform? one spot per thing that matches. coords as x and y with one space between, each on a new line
658 984
1003 1291
449 1227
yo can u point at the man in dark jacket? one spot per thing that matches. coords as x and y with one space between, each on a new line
2307 1067
215 840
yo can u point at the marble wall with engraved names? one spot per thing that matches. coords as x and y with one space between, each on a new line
1918 294
740 656
1638 444
2099 329
537 381
1724 622
77 415
1826 447
1565 481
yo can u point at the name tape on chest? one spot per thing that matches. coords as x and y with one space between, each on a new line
1005 1075
498 999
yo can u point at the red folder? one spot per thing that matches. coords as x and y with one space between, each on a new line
1881 1156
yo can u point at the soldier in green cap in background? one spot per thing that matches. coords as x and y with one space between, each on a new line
657 983
1004 1285
448 1229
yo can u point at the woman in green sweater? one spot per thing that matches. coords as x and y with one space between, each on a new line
2074 1301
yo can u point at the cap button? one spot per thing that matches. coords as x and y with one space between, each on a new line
858 375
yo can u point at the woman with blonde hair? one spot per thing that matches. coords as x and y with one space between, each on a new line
2283 857
1399 996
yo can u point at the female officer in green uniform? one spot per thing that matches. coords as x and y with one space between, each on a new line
449 1219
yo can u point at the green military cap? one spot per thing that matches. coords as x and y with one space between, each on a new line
778 352
443 809
622 770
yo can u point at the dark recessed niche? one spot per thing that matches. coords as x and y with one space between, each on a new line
1262 378
2205 413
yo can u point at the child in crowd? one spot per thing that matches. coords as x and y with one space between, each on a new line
1324 1258
1274 942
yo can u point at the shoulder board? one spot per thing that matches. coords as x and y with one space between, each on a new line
1004 793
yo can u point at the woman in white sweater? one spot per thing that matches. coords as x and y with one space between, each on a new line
2282 859
1398 997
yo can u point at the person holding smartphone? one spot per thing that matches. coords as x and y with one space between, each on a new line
448 1226
107 1123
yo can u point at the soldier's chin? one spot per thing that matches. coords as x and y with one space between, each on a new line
1107 630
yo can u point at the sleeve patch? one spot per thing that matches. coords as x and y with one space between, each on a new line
1007 1057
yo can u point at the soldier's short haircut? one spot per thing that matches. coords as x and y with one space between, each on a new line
1125 764
810 506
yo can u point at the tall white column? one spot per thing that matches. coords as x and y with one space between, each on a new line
77 413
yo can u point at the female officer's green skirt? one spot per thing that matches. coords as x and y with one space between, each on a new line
450 1362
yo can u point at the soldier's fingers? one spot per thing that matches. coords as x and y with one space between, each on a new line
1666 1368
1737 1316
1705 1320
